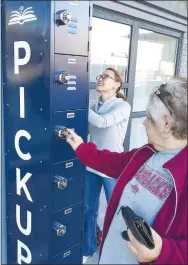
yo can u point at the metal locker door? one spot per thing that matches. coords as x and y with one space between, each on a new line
68 179
70 87
70 256
71 27
70 119
67 228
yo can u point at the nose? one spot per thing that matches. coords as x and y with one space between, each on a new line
100 81
145 122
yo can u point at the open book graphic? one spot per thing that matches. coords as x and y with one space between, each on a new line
22 16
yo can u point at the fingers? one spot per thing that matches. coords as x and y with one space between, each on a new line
157 239
73 139
132 249
71 132
134 242
70 141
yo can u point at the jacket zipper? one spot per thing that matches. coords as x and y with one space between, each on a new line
175 204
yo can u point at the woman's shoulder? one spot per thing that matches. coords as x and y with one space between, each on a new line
121 103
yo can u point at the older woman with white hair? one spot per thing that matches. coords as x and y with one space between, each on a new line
152 181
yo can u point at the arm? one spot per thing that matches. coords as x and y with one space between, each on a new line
92 108
174 251
109 163
110 119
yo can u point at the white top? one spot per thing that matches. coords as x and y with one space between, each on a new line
108 125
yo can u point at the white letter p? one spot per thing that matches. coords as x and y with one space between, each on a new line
21 258
17 60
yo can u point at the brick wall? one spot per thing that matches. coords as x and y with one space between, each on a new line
183 58
179 7
178 4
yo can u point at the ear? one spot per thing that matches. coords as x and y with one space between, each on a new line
117 85
167 123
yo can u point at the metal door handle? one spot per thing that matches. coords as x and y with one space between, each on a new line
61 131
60 182
62 78
63 17
59 229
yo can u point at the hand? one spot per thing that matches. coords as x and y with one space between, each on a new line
142 253
73 139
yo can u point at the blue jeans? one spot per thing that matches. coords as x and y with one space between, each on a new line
94 185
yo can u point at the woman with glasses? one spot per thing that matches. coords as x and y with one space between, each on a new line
152 181
108 120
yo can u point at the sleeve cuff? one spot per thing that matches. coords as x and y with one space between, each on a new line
80 148
165 253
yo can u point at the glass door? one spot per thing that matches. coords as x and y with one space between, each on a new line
155 64
110 45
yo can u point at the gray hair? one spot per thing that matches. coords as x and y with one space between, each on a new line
172 101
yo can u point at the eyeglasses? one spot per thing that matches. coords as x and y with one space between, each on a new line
105 76
162 94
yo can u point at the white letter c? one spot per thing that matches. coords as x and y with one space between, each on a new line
18 135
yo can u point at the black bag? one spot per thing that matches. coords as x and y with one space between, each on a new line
138 226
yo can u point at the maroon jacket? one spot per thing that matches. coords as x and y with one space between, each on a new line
171 221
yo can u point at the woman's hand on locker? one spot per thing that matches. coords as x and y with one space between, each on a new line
73 139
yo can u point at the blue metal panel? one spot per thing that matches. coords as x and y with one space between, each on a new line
72 218
70 256
73 171
44 105
2 151
30 28
71 119
72 38
74 93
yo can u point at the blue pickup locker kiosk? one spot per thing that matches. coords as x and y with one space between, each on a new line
44 87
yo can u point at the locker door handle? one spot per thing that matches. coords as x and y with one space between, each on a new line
61 183
63 17
60 131
62 78
59 229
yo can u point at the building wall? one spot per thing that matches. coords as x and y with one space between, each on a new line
183 58
178 8
171 14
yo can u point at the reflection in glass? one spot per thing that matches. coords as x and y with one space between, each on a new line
138 133
109 47
156 58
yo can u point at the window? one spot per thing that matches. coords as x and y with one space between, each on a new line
138 133
109 47
156 59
